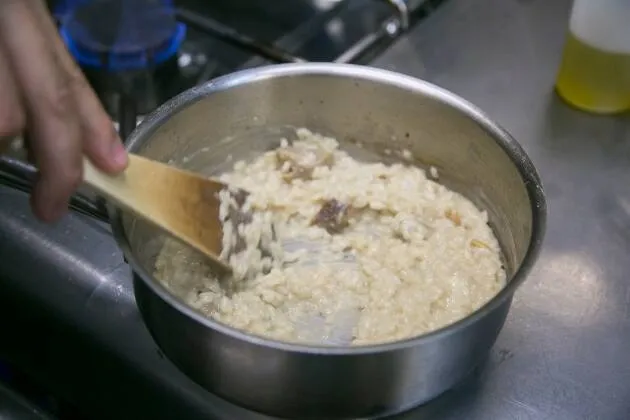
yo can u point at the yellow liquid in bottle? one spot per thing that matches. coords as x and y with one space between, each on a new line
595 70
594 79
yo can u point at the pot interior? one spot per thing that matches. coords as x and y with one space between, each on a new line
208 129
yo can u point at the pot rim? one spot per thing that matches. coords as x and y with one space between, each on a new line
510 146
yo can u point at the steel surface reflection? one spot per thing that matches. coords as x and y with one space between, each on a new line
577 301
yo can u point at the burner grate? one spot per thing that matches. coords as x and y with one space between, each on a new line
402 15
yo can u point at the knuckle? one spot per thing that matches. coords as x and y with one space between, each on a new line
60 100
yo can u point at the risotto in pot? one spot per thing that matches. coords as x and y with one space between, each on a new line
341 252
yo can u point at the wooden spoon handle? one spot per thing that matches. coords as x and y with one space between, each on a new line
179 202
115 188
122 189
145 187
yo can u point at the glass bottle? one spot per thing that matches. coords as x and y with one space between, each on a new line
595 71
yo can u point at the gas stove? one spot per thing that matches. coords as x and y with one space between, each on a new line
73 343
139 53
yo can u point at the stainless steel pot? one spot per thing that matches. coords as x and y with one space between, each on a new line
245 113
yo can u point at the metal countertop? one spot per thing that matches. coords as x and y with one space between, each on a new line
563 354
14 407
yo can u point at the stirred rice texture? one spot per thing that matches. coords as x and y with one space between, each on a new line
330 234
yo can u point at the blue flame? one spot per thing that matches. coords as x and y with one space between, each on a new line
138 21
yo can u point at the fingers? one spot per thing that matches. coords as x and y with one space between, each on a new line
100 139
64 117
12 118
48 95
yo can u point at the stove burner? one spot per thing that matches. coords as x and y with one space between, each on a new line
121 35
127 50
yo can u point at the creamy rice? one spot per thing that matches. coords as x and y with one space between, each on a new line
356 253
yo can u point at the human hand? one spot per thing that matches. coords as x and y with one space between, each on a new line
44 94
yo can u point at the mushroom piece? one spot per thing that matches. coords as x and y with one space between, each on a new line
332 216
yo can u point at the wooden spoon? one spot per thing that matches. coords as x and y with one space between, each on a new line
181 203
